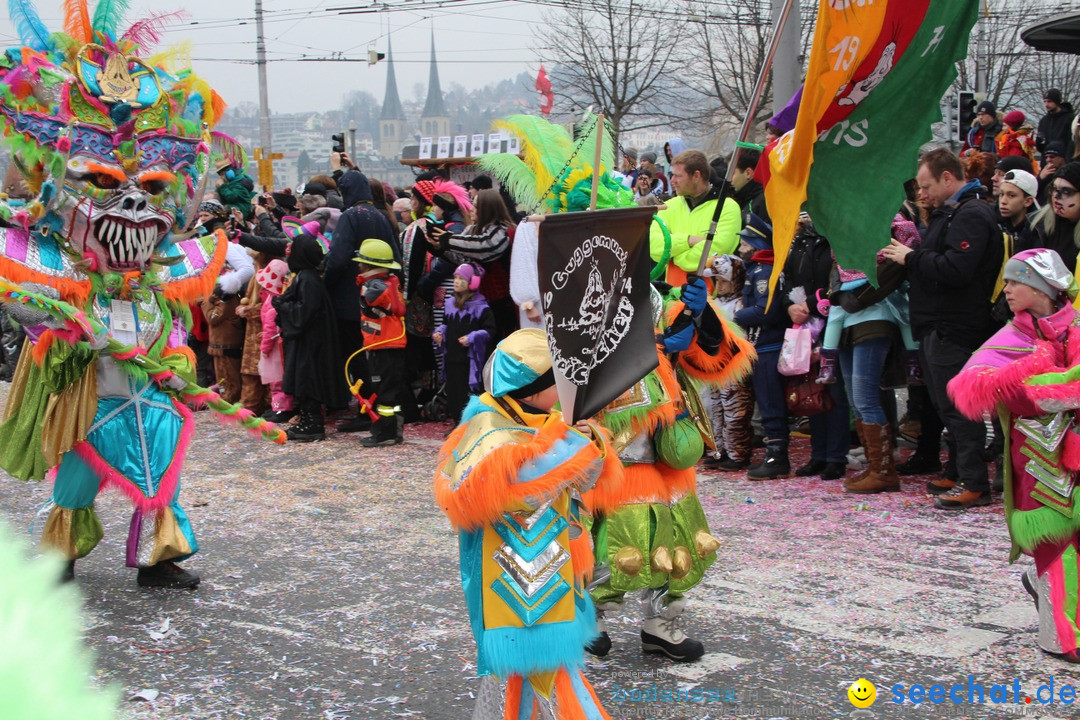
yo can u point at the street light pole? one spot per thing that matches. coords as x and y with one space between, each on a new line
264 94
352 140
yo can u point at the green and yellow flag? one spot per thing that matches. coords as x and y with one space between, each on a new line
874 82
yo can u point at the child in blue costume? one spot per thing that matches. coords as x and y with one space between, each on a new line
509 478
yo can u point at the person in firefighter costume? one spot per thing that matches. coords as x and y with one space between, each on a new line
114 146
508 479
657 540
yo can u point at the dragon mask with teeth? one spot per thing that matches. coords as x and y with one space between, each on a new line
112 147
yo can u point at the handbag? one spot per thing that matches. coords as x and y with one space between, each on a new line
795 352
805 397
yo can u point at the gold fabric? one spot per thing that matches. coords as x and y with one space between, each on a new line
529 347
169 541
682 563
68 416
18 381
74 533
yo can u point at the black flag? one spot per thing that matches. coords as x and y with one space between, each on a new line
594 288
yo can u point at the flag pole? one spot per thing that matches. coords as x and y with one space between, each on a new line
755 101
600 128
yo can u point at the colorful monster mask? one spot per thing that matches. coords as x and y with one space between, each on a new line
113 144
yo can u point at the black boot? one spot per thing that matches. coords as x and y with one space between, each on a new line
309 429
69 572
775 465
384 431
167 574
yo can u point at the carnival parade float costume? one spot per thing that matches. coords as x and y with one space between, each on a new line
509 479
114 148
1029 374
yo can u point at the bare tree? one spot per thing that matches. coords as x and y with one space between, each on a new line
616 55
727 44
1016 75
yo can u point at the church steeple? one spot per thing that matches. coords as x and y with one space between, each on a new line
392 117
391 107
434 121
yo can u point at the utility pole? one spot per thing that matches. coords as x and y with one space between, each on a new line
787 74
264 94
982 55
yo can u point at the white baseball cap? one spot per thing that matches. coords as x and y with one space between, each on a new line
1023 180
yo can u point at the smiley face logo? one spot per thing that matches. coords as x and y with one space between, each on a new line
862 693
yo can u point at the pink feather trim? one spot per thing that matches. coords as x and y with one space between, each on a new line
146 33
460 195
979 388
166 491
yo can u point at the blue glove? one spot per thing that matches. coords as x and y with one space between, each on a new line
694 296
679 340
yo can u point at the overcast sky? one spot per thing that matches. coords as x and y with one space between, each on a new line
475 45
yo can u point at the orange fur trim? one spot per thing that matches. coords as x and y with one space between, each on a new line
581 554
569 708
641 482
733 361
492 488
42 347
678 482
201 285
513 697
182 350
76 292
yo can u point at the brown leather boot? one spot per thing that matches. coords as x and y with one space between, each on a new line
882 476
861 432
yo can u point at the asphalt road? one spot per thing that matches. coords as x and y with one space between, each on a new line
331 592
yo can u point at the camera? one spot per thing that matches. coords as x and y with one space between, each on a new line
339 142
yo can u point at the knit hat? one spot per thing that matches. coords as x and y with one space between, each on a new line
648 157
284 200
1053 95
467 271
1023 180
424 190
986 107
1054 147
1014 162
1014 119
1070 173
520 365
213 207
272 277
1042 270
314 188
631 152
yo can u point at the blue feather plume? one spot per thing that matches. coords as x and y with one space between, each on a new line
32 31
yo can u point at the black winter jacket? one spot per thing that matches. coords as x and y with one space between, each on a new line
953 273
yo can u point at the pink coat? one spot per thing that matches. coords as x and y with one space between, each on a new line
271 335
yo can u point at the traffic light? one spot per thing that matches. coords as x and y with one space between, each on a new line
965 113
339 142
